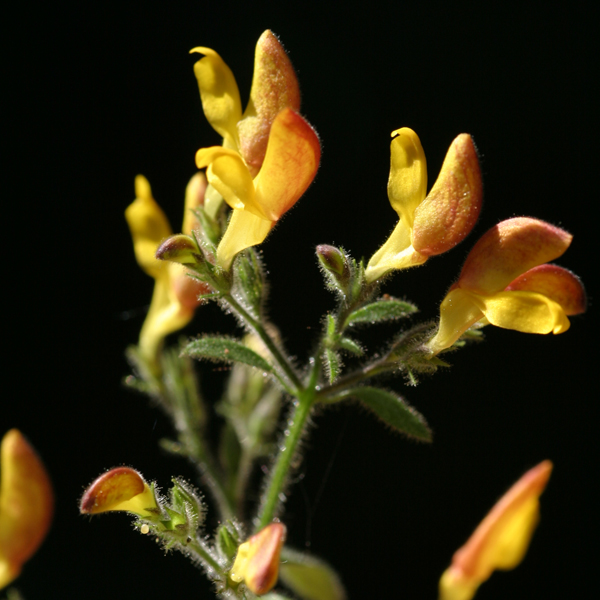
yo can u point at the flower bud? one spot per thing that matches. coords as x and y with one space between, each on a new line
257 560
26 504
180 249
121 488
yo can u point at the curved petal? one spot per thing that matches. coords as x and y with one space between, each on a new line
148 226
219 94
274 87
290 165
560 285
165 316
452 207
508 250
407 184
458 311
244 230
194 197
527 312
501 539
228 174
396 253
26 504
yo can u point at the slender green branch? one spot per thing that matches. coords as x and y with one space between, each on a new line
280 360
204 555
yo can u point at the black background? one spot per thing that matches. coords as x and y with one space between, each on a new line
98 92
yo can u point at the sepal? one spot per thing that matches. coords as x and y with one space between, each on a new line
384 309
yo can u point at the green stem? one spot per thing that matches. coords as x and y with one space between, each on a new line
205 557
280 360
272 498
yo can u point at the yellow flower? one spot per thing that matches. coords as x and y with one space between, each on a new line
501 539
26 504
270 154
175 294
257 560
121 488
505 282
433 223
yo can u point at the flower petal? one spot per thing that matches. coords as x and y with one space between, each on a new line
452 207
274 87
194 197
219 94
121 488
26 504
458 311
502 538
290 165
148 226
396 253
527 312
508 250
560 285
407 184
244 230
228 174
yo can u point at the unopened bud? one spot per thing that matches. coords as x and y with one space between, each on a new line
332 259
180 249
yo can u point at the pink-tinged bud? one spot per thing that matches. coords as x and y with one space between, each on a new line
274 87
508 250
452 207
502 538
26 504
257 560
181 249
559 284
121 488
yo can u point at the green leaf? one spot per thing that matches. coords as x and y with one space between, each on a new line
332 364
394 411
350 345
226 350
381 310
248 280
309 577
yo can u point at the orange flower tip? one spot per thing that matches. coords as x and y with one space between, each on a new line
501 539
26 504
559 284
452 207
257 560
180 249
508 250
120 489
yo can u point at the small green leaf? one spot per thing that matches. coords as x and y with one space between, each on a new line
309 577
350 345
330 326
394 411
382 310
332 364
226 350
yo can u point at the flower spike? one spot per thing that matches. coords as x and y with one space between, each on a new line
504 282
501 539
26 504
433 223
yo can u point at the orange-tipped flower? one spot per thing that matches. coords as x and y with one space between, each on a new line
26 504
433 223
257 560
506 282
501 539
270 154
175 294
121 488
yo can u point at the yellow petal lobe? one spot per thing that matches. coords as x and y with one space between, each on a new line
407 184
219 94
